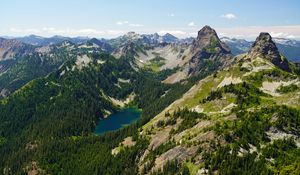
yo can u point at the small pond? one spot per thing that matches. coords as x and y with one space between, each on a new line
117 120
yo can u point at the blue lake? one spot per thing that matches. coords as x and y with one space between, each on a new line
117 120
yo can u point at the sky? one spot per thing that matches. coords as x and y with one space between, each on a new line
182 18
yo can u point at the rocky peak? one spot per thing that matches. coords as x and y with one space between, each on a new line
208 39
10 48
207 48
265 47
129 49
169 38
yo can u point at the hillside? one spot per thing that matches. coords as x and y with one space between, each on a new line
243 119
221 114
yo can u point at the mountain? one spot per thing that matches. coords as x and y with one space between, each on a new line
207 47
289 48
146 39
98 43
203 111
265 47
168 38
11 48
156 39
287 42
38 63
127 38
43 41
219 125
74 98
237 46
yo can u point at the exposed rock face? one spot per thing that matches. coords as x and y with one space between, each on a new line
264 47
10 48
102 44
4 93
129 49
207 48
208 37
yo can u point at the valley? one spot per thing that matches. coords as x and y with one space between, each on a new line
149 104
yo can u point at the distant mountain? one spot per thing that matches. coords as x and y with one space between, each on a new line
127 38
168 38
237 46
289 48
147 39
10 48
43 41
101 44
38 63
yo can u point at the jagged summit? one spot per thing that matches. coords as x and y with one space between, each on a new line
207 38
208 47
266 48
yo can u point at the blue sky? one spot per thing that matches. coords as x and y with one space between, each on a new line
110 18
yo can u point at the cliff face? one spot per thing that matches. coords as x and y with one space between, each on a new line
265 47
10 48
207 47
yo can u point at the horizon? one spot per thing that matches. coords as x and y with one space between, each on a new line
102 19
99 38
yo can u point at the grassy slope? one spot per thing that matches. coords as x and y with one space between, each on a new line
246 71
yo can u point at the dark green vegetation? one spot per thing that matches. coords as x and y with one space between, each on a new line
286 89
270 75
156 63
24 69
49 124
150 159
173 168
51 119
190 118
248 133
247 95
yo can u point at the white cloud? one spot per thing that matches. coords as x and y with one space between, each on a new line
136 25
127 23
171 14
246 32
90 32
191 24
115 32
122 22
282 35
251 32
49 31
229 16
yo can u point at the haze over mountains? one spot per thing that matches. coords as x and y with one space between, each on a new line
289 47
209 105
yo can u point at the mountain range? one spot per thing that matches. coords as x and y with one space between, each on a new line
288 47
209 105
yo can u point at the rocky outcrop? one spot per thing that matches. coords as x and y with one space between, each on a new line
264 47
102 44
10 48
208 50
